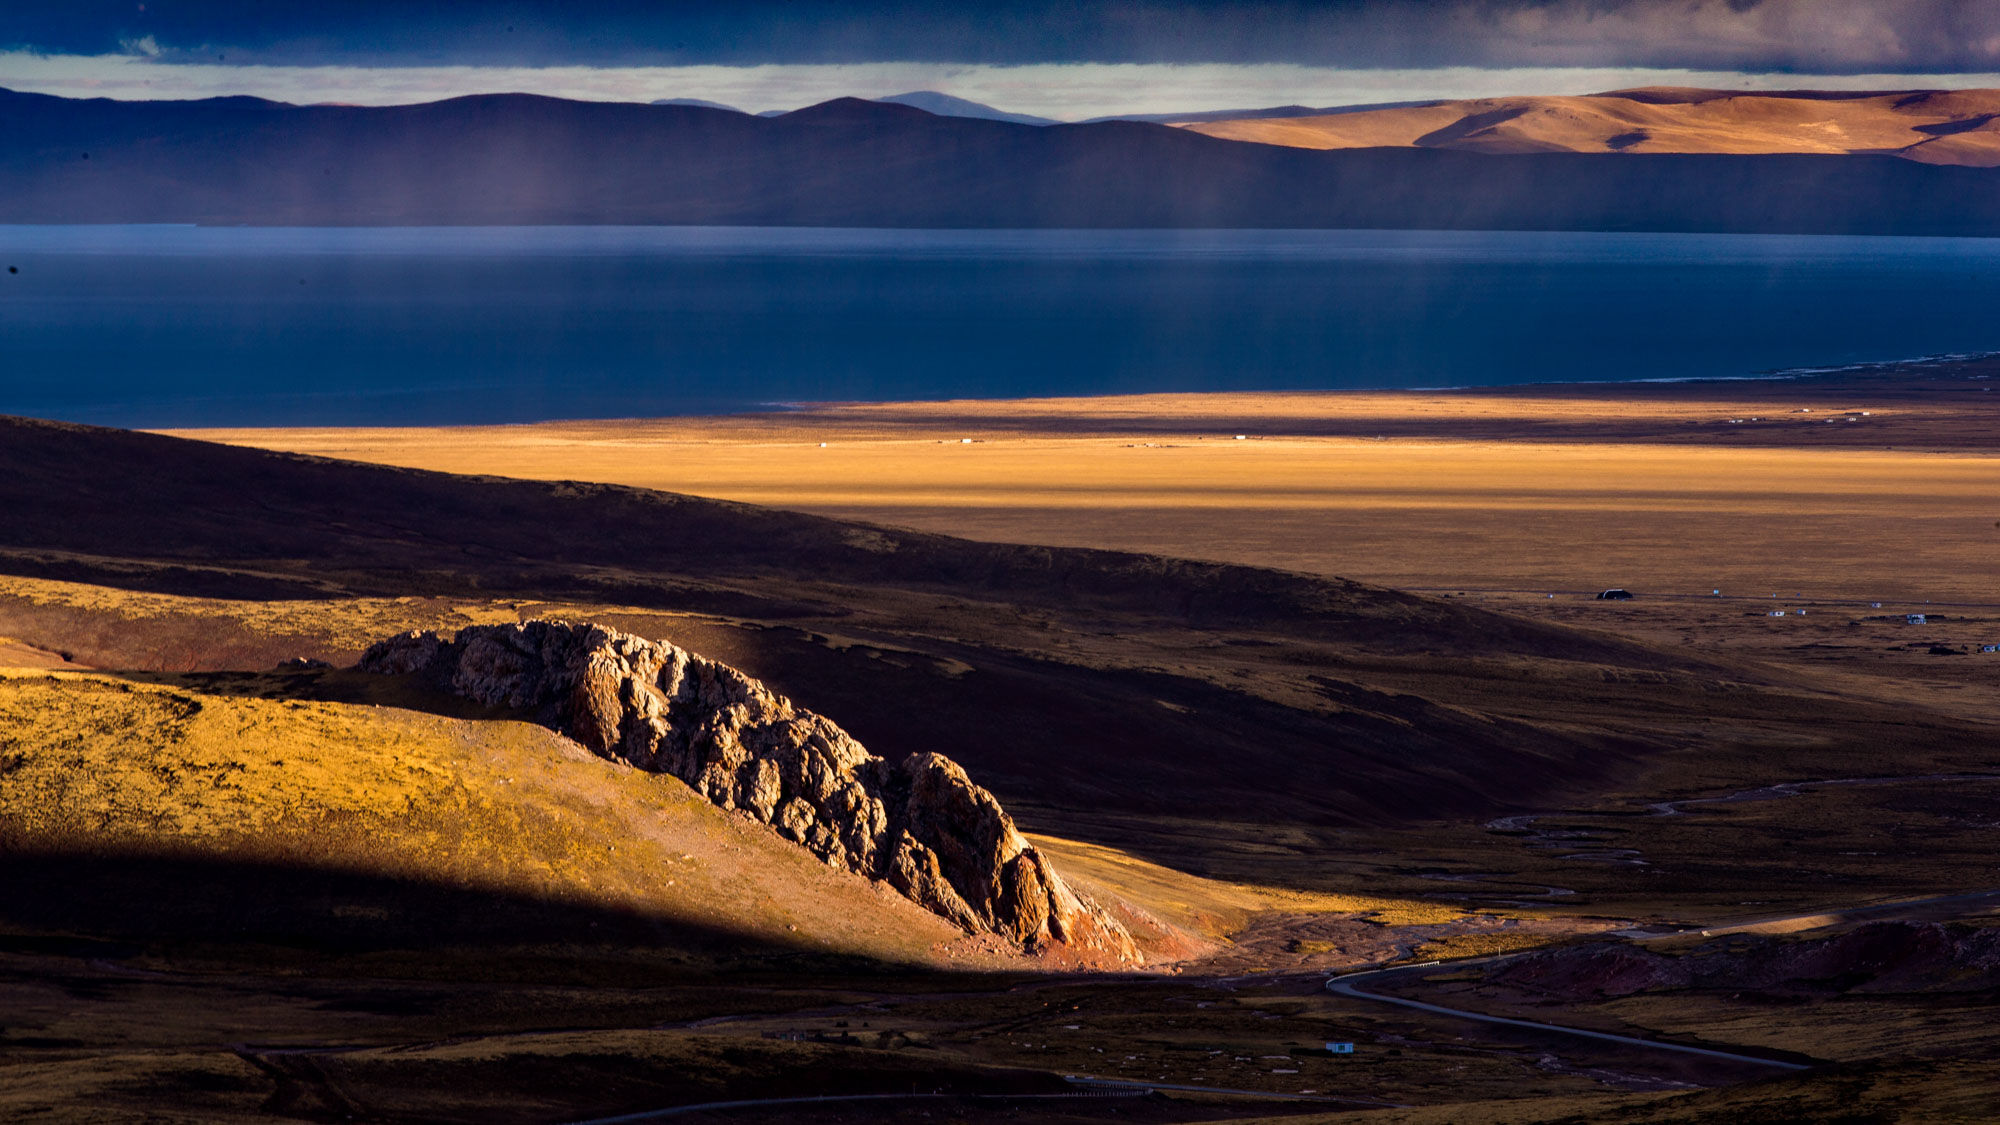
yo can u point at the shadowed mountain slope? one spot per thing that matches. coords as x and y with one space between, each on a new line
1250 114
307 522
514 159
945 105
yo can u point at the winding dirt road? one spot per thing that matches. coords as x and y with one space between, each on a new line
1346 986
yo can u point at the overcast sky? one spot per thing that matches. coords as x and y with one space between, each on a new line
1061 58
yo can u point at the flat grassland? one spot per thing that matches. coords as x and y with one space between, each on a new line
1874 486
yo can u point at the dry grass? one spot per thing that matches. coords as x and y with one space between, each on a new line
1910 1092
346 623
1479 945
102 765
509 1080
98 765
1214 908
20 654
224 802
1163 474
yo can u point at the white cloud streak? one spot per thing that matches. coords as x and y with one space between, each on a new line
1831 35
1067 91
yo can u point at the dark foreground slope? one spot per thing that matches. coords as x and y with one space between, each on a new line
231 521
518 159
1097 693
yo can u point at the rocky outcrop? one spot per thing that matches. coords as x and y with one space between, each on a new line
920 825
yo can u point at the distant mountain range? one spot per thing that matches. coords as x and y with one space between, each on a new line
1931 126
699 103
1255 114
521 159
930 101
944 105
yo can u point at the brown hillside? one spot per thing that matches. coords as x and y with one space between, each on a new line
389 822
1079 678
1164 706
1933 126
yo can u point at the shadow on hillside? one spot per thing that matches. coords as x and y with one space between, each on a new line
330 685
105 904
1102 741
147 512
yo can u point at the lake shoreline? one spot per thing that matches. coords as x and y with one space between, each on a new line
185 327
1925 403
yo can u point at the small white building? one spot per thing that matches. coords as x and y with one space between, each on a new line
1915 619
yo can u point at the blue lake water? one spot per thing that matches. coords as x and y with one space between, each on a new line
163 326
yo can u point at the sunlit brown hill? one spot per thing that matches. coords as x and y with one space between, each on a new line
516 159
1931 126
1109 696
151 809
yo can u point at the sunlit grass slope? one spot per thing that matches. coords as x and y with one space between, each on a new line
258 768
109 627
99 766
1216 907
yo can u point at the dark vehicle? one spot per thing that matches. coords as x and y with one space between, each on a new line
1615 595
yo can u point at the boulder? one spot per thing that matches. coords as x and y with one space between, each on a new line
920 825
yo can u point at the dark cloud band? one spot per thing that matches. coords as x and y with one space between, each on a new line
1808 36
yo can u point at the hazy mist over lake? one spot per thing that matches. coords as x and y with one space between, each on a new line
180 326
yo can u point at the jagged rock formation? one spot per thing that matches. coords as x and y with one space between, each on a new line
921 825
